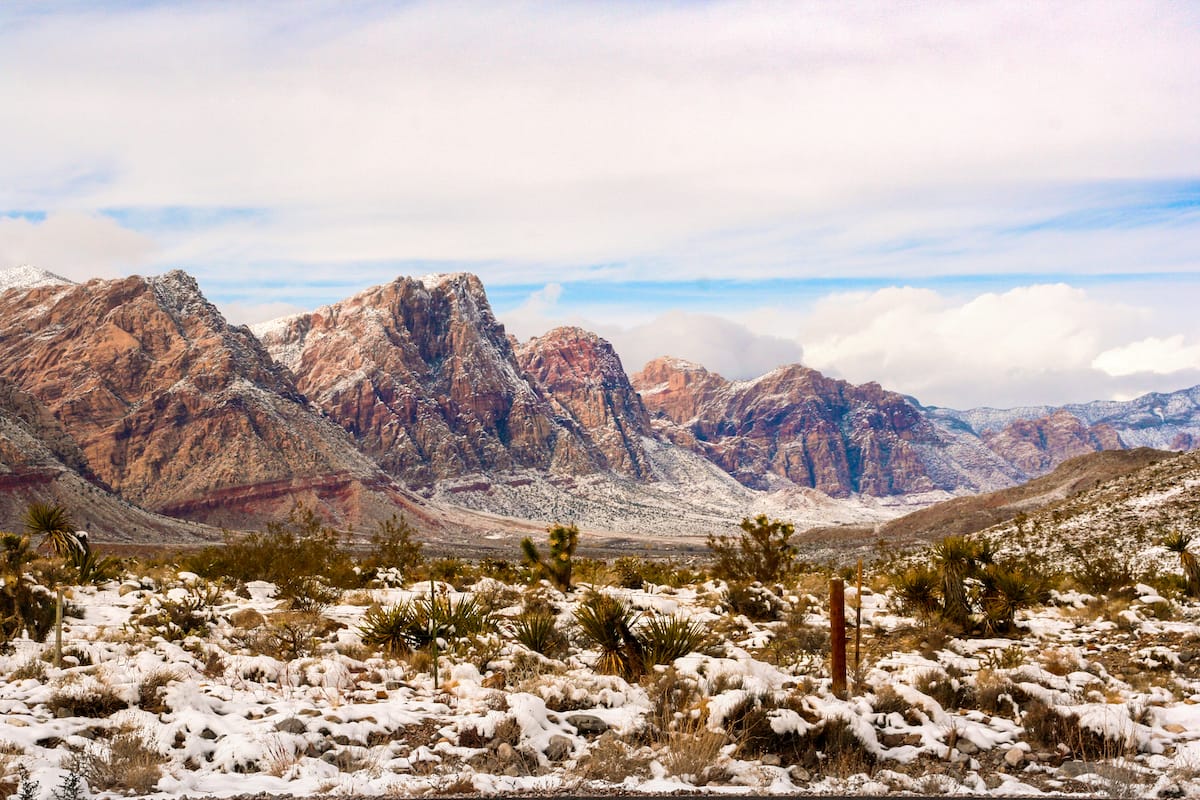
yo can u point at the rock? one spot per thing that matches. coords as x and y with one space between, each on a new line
505 752
247 618
17 722
587 723
424 377
966 747
893 739
559 748
209 734
794 423
799 774
291 725
1073 769
583 378
771 760
914 740
1174 727
495 680
1036 446
1014 757
127 588
178 411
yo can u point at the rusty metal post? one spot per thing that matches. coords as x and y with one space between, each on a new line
837 634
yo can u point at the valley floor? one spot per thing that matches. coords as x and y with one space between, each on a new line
1091 697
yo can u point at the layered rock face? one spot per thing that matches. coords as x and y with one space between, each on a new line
792 423
583 377
176 410
1037 446
421 374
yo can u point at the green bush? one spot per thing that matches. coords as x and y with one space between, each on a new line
608 623
667 638
415 624
761 552
538 630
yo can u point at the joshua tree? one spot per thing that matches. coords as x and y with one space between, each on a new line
557 566
53 524
1178 542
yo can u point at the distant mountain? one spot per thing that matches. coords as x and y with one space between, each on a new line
424 378
29 277
178 411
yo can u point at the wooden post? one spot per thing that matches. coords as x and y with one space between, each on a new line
58 618
858 629
837 634
433 631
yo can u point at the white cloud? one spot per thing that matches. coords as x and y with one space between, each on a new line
570 132
74 245
1160 356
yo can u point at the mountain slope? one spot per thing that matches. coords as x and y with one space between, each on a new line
422 375
178 411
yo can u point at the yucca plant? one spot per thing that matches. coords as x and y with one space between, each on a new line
556 566
92 568
1006 591
53 524
415 624
667 638
1178 542
538 631
918 589
956 559
608 623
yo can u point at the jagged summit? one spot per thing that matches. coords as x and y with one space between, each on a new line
27 276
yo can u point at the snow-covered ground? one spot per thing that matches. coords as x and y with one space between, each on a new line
270 701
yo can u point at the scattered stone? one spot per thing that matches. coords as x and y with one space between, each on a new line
291 725
505 752
771 760
1174 727
334 718
128 588
497 680
914 740
380 694
247 619
587 723
799 774
559 748
17 722
1015 757
966 747
392 686
1073 769
893 739
309 712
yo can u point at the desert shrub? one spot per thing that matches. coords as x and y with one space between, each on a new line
91 567
125 763
302 556
993 693
1009 657
394 547
950 693
1178 542
175 617
26 606
750 725
151 686
752 600
1103 570
538 630
34 669
612 760
842 753
556 565
797 643
666 638
679 729
607 622
762 552
1006 590
917 589
629 572
85 696
888 701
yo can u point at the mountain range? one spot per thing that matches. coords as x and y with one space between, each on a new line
411 398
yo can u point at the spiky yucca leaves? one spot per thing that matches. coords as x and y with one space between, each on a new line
557 566
956 559
538 631
53 524
93 568
415 624
1007 590
919 590
608 623
667 638
1178 542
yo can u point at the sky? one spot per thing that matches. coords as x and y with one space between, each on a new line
972 203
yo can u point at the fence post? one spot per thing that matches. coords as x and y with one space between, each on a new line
837 634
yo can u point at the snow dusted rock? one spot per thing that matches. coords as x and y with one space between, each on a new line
1014 757
29 277
793 423
582 376
177 410
423 376
1037 446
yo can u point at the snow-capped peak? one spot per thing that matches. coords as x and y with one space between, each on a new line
27 276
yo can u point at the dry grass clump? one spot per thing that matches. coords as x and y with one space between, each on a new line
1060 662
85 696
993 692
950 693
612 760
127 763
888 701
150 689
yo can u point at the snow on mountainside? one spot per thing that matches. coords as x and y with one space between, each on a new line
29 277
